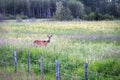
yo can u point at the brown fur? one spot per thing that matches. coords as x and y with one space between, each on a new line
42 42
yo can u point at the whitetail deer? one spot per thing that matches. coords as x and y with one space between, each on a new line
42 42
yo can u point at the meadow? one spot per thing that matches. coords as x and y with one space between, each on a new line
73 43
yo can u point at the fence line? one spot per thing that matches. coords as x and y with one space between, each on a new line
60 75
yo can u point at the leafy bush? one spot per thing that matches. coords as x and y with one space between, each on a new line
108 17
91 16
97 16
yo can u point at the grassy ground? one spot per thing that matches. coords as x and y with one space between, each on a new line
73 43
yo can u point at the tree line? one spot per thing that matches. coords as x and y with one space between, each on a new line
79 9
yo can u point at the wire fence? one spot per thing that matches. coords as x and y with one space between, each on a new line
55 68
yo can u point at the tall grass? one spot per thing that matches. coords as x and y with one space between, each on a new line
73 43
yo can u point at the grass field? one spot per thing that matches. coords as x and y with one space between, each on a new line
73 43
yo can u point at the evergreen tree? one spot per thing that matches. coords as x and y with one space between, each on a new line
62 13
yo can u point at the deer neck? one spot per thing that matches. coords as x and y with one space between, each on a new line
48 40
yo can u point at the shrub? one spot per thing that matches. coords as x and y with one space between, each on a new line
91 16
85 17
108 17
98 16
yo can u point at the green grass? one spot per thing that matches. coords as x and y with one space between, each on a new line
73 43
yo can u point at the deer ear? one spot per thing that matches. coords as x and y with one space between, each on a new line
49 35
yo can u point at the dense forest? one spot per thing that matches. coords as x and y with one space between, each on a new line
79 9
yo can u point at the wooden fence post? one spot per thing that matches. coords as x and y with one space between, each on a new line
57 70
42 67
28 63
86 71
15 60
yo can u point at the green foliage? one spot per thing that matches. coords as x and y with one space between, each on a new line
108 17
62 13
91 16
110 70
47 8
76 7
6 56
98 16
69 65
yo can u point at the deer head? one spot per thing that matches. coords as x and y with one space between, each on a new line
49 37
